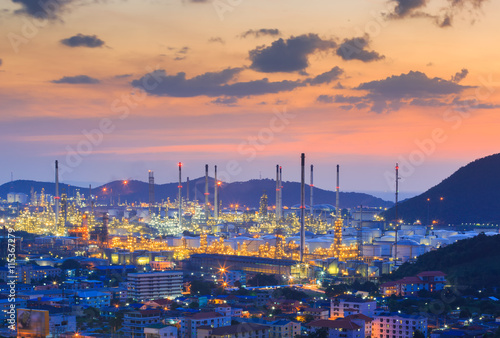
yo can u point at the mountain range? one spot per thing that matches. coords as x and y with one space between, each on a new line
242 193
470 195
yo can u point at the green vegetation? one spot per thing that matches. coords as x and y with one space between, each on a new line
289 293
473 262
200 287
262 280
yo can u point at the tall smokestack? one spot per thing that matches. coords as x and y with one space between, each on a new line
151 191
277 212
91 200
396 212
180 194
360 232
187 189
281 194
216 197
337 203
302 206
312 188
206 193
57 194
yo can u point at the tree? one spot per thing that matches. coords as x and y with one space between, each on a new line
194 305
318 333
201 287
72 264
116 321
308 318
336 290
465 314
261 279
174 306
289 293
418 334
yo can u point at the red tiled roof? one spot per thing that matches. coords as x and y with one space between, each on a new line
388 284
335 324
411 280
431 273
162 301
205 315
360 316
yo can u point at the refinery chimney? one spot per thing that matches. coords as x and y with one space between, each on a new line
180 195
216 197
206 193
91 200
396 212
277 211
187 189
302 206
312 187
281 194
337 203
57 194
151 191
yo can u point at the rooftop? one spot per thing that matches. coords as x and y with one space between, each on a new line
359 316
205 315
431 274
341 323
238 328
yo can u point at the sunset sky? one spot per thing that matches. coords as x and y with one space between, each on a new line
248 84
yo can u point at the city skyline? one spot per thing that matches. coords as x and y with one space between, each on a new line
248 85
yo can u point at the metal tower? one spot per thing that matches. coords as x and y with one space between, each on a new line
302 206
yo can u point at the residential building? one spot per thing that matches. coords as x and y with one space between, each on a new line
316 313
242 330
6 309
262 298
135 322
29 273
160 331
154 285
363 321
409 286
390 325
344 306
92 299
190 324
60 323
161 303
284 329
227 310
281 328
436 280
338 328
285 305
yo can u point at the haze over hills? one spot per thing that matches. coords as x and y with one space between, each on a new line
242 193
470 195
